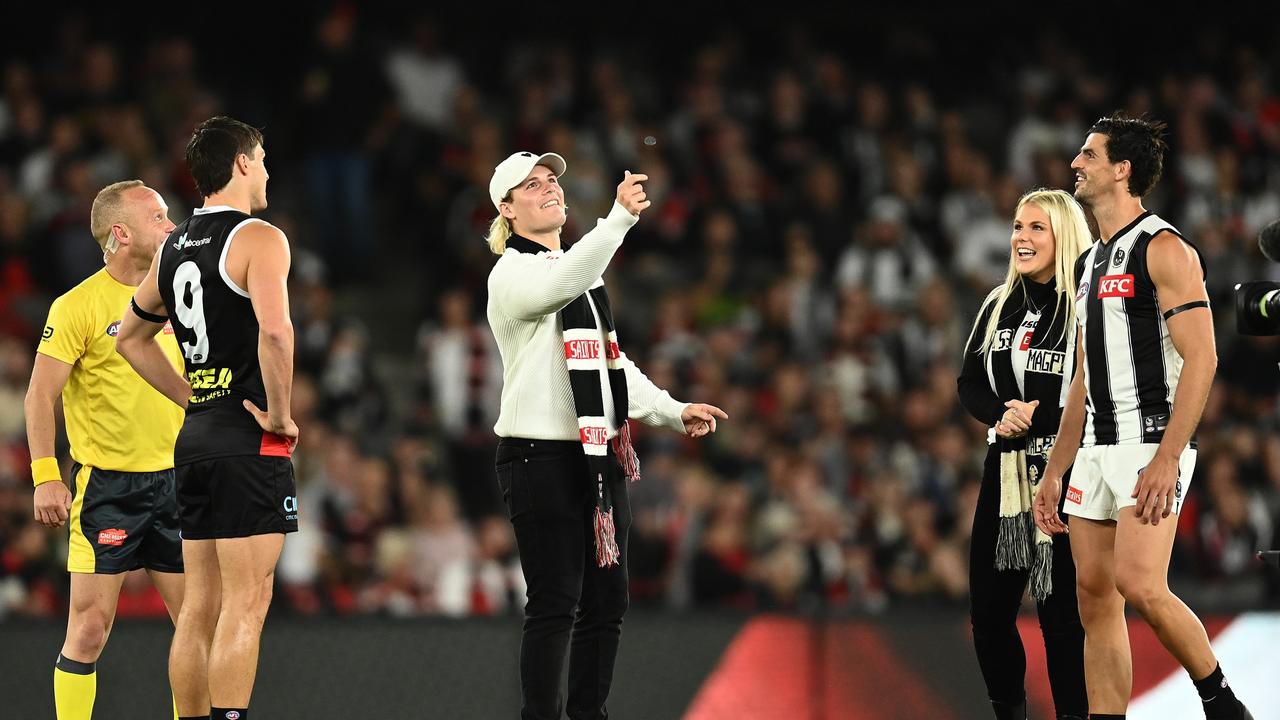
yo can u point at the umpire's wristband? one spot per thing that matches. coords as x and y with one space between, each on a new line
45 470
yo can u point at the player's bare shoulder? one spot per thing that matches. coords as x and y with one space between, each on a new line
261 245
1171 260
263 233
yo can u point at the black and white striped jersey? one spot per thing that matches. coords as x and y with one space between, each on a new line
1131 367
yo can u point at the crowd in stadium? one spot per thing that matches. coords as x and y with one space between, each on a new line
820 238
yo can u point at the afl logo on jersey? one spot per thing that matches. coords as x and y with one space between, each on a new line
113 329
1118 259
1084 290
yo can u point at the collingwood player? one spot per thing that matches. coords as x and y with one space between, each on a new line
220 279
1145 362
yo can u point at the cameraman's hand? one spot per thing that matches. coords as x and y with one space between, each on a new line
631 193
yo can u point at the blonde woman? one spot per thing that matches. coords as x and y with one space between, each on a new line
1017 368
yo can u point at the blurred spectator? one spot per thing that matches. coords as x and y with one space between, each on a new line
464 376
491 582
439 539
345 117
886 257
424 78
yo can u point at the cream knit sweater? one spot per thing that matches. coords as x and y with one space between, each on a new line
526 294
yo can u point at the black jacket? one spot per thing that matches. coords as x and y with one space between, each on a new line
1052 355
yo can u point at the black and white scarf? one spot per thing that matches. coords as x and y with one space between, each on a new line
584 344
1020 544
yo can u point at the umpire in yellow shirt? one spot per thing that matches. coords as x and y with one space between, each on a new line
121 505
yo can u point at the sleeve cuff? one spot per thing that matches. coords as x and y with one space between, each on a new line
672 409
619 217
43 350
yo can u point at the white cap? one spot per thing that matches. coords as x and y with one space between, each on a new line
512 171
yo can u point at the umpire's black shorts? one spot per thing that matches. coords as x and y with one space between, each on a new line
122 521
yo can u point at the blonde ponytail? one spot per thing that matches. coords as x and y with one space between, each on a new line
499 233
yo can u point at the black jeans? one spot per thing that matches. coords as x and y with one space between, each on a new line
551 500
994 597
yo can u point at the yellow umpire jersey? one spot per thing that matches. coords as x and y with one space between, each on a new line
115 420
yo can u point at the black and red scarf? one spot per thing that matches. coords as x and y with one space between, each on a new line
585 341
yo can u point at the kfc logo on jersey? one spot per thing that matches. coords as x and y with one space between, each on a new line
1075 495
112 536
1115 286
113 329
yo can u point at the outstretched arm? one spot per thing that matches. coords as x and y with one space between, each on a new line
535 287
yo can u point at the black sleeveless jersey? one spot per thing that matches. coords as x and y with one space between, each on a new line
214 323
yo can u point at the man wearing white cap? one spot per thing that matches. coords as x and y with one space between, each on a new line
564 454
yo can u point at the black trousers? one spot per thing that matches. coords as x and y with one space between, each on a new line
574 605
994 597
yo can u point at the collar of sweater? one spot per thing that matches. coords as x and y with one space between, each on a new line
525 245
1041 294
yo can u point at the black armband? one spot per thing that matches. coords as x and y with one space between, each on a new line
1185 307
149 317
